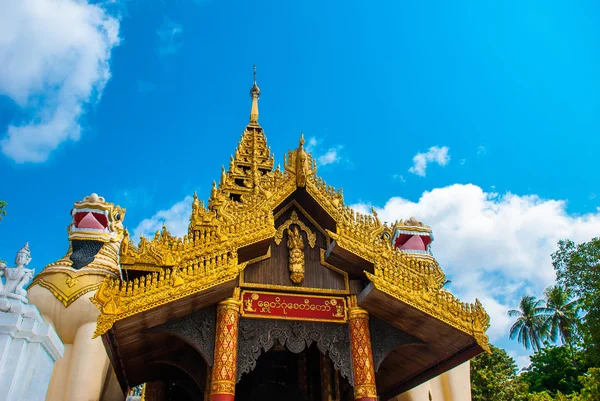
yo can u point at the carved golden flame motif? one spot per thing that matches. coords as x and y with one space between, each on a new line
295 245
312 237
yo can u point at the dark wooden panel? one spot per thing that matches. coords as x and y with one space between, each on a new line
275 271
351 263
356 286
253 251
115 360
309 204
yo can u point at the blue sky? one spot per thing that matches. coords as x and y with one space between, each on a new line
480 118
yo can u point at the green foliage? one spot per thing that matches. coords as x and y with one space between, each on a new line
555 369
562 313
543 396
2 209
590 391
494 378
571 317
578 269
530 328
591 385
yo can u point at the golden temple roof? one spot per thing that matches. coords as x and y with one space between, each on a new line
240 213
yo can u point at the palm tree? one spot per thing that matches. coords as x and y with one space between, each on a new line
562 313
530 328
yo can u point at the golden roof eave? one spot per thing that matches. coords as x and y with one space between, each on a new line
118 299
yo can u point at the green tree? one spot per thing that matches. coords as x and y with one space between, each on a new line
562 317
530 328
2 209
591 385
494 378
553 370
578 269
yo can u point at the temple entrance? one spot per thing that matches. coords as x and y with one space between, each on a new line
283 375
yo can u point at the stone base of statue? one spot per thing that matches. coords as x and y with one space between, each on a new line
28 349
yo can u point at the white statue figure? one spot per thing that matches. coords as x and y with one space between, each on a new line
17 277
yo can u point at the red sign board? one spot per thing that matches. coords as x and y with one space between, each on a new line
270 305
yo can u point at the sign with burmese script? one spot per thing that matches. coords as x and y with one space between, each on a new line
271 305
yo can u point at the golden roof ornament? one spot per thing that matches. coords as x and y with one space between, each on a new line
300 164
252 158
254 94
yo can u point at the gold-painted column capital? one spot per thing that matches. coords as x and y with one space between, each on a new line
358 313
230 303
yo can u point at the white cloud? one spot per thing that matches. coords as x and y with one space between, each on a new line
463 161
54 56
522 361
399 177
481 149
176 218
330 157
495 248
170 37
433 155
311 144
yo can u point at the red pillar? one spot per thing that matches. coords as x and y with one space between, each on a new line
225 363
362 355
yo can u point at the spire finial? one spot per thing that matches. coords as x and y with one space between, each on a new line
254 94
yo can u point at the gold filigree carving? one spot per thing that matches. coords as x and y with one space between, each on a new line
296 205
308 290
71 282
119 299
249 303
312 237
436 302
295 245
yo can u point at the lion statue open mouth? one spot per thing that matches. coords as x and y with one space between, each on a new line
95 225
94 219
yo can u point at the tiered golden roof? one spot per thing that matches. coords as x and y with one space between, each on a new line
240 213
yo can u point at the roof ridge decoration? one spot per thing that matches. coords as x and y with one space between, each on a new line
239 212
118 299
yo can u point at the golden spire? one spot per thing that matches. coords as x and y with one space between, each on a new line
254 94
252 158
